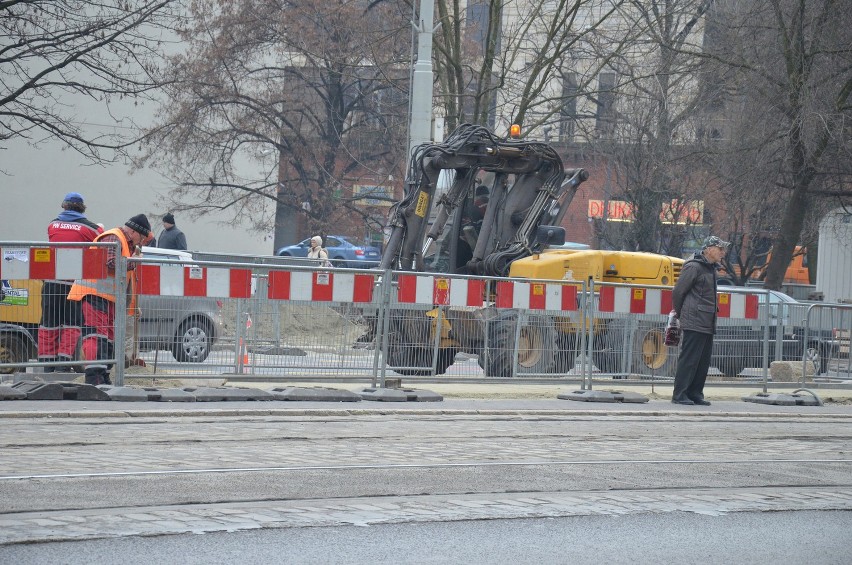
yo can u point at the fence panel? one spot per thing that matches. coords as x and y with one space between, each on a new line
37 321
276 319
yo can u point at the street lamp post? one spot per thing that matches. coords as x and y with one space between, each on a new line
420 121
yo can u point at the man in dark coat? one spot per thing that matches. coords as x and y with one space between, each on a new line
694 300
171 237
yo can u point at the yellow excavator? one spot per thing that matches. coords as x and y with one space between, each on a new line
479 204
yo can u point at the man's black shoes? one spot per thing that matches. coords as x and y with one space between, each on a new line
689 402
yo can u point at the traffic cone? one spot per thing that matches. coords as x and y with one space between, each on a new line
244 351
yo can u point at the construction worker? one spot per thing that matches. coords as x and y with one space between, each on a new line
61 319
98 297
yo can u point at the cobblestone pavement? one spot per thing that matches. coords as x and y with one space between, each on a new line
620 463
41 446
163 520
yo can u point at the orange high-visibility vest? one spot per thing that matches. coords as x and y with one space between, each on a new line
106 288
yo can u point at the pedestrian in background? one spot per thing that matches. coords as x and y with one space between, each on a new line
318 252
98 296
61 322
694 300
171 237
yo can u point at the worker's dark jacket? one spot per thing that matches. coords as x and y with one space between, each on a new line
694 295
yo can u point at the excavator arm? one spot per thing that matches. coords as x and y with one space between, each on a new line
528 199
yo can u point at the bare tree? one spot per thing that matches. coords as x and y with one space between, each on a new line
645 126
790 70
54 50
315 86
500 62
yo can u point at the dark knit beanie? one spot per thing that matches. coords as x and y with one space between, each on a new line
139 224
169 218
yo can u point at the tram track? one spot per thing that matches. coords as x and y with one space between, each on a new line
380 467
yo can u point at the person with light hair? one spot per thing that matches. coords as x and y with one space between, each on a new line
318 252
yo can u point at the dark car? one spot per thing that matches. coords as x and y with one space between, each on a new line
738 345
341 251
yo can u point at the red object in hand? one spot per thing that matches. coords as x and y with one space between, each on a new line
673 331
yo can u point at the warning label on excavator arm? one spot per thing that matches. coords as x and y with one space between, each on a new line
422 204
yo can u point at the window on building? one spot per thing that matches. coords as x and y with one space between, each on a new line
477 22
605 117
568 112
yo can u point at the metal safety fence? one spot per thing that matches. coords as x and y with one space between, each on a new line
266 320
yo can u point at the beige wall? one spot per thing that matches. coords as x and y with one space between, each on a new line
33 182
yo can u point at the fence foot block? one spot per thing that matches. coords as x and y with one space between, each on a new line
225 393
322 394
147 394
60 391
603 396
782 399
400 395
9 393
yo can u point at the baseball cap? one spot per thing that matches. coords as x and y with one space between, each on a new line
714 241
73 197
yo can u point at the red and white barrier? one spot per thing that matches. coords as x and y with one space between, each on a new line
222 282
633 300
444 291
193 280
440 291
46 263
536 296
321 286
737 305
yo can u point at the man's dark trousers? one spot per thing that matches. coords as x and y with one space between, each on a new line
692 366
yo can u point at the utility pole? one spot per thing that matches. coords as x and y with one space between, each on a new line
420 124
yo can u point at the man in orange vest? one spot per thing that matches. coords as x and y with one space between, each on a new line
98 297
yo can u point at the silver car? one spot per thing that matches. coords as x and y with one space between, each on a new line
186 326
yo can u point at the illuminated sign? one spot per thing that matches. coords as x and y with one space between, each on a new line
616 210
674 212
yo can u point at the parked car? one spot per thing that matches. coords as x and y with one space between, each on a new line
738 344
187 326
341 252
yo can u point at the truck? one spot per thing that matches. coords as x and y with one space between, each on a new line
834 261
503 208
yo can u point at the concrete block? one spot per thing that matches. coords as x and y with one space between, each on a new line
790 371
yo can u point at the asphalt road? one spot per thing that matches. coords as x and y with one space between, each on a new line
474 478
750 537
